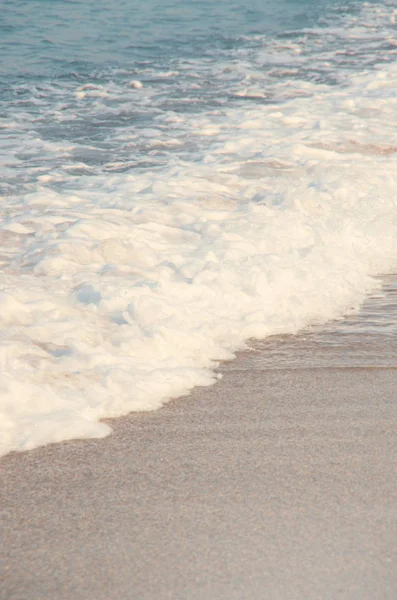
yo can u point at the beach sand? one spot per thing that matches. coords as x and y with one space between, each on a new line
279 482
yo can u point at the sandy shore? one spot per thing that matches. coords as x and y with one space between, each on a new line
277 483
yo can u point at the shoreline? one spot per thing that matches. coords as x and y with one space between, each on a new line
275 483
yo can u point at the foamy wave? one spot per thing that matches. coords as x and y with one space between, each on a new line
127 291
261 214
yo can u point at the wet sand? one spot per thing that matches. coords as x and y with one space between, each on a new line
280 482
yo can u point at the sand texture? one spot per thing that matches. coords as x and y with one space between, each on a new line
277 483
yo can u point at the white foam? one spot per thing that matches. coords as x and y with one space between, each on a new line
135 84
125 290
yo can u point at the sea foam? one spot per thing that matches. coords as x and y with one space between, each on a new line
120 291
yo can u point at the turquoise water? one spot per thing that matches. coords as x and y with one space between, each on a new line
80 73
56 37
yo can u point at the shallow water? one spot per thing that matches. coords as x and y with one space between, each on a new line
367 338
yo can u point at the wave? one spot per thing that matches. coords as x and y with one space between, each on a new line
120 291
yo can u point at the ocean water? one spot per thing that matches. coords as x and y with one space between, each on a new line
178 178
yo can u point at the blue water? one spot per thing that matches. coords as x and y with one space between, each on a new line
60 37
190 58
